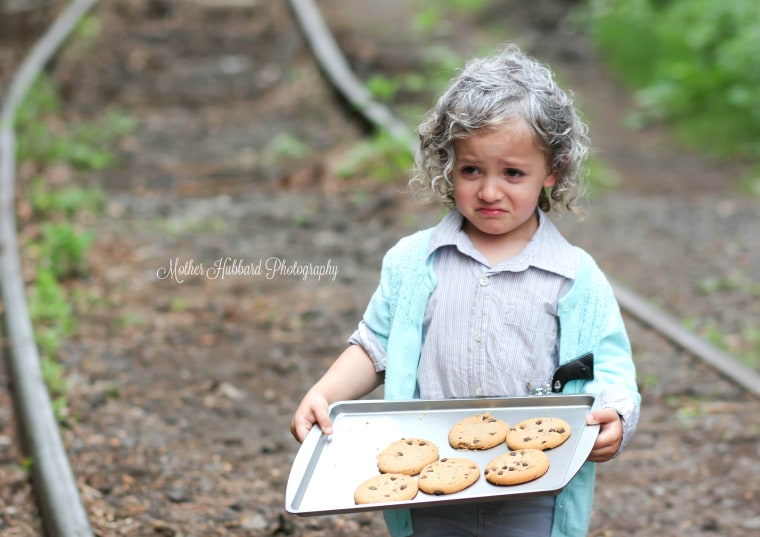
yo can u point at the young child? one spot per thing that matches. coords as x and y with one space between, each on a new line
493 297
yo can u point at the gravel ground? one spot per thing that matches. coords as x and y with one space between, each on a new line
182 391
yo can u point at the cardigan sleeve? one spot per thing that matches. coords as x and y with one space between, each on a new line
379 312
397 308
591 321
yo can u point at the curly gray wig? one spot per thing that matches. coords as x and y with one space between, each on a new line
487 93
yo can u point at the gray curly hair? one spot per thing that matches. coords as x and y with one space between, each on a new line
482 97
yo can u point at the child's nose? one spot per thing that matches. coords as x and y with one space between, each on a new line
489 190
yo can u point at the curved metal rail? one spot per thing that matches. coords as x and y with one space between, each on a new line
55 486
334 65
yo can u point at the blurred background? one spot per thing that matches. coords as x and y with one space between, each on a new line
178 133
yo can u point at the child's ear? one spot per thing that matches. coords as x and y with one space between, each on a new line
550 180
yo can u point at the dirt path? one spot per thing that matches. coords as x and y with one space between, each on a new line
185 377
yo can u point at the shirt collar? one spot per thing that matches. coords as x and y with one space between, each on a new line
445 233
547 250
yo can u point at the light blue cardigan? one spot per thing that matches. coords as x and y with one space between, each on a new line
590 321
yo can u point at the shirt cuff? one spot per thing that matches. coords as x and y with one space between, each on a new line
628 410
367 339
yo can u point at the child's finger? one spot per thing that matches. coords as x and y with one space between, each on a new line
601 416
323 420
299 428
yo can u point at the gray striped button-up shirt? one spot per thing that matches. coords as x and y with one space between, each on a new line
488 330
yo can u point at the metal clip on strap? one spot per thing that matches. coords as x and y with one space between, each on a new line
581 368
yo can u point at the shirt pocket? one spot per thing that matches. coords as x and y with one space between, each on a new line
527 346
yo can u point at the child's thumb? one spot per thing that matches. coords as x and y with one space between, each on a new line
324 422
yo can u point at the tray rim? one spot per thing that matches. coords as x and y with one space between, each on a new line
304 461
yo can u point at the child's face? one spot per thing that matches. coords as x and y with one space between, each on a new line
498 176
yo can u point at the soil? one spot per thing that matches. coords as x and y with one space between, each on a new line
183 378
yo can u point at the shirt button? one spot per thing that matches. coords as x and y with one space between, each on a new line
480 392
478 338
484 281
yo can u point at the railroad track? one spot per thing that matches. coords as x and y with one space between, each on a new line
62 511
60 504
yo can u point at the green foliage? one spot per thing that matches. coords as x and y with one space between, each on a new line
384 158
45 139
421 85
467 6
88 146
382 87
87 31
694 62
64 249
441 64
53 373
600 177
744 345
716 284
67 200
751 184
51 315
49 307
429 16
285 146
40 101
50 312
427 20
387 89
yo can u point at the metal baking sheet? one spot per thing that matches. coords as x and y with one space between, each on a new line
327 469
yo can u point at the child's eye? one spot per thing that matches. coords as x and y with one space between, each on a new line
511 172
469 170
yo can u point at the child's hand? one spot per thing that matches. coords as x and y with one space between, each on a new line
313 409
610 434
